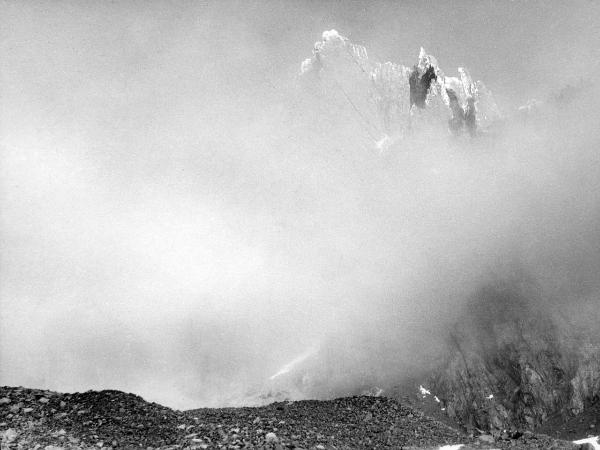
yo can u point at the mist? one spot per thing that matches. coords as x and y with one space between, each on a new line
180 219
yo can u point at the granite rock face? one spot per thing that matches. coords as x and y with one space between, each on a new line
513 362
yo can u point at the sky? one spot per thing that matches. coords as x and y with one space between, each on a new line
179 221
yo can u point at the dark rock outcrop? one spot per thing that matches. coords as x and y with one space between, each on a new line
512 364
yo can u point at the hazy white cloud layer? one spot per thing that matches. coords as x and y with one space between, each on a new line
177 220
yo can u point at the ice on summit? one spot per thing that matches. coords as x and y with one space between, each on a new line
330 50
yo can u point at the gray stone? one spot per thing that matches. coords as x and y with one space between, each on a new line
271 438
486 438
9 436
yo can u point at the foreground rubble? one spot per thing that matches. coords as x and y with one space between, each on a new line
37 419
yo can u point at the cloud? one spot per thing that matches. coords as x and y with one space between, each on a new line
180 221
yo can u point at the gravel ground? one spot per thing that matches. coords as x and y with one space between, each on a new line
37 419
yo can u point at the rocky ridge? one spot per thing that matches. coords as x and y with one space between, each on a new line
39 419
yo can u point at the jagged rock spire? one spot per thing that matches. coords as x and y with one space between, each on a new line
394 88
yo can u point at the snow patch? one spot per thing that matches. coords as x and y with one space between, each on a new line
306 66
591 440
294 362
452 447
384 143
331 35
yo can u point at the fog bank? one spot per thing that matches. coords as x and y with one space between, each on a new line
180 219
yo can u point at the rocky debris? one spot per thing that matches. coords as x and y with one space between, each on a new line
105 419
116 420
353 422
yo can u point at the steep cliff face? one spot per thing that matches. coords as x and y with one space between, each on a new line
512 362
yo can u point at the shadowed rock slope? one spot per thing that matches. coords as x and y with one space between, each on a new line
513 363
